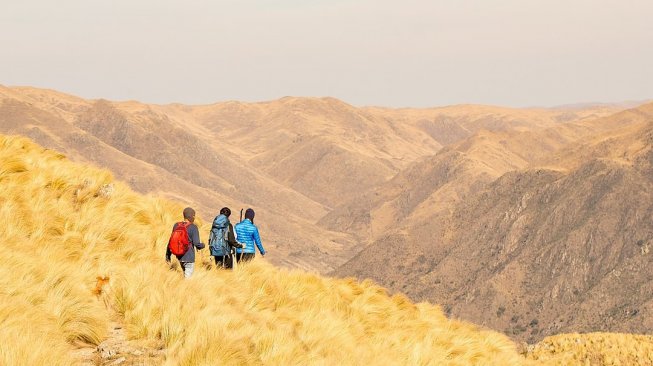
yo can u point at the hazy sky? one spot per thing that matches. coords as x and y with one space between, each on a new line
390 53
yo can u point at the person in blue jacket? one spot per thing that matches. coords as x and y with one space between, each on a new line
247 233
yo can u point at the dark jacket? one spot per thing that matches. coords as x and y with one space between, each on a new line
194 236
231 238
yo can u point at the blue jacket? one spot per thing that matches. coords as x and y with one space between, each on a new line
247 233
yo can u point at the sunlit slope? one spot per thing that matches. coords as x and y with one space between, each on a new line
334 152
156 154
594 349
65 223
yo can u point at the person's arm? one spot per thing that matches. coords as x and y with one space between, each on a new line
257 240
231 238
194 235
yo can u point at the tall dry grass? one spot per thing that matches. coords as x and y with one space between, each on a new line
594 349
65 224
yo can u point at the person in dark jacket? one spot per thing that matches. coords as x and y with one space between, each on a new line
223 256
247 233
187 260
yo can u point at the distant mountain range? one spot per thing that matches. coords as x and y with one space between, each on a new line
557 242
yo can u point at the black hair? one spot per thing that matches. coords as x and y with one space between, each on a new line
249 214
189 214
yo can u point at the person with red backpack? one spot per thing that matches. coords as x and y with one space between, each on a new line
184 239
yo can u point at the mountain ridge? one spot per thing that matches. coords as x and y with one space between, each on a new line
280 142
511 214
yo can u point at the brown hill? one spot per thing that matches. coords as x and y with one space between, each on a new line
292 159
452 124
566 247
496 140
154 154
433 185
333 152
323 148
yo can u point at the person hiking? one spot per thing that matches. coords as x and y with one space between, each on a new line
184 239
247 233
222 239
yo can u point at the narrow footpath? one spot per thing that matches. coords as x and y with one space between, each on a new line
116 349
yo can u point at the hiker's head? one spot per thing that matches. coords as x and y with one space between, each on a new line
249 214
225 211
189 214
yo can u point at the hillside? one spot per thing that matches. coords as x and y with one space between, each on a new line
324 148
431 186
558 244
334 152
423 188
155 154
66 224
298 161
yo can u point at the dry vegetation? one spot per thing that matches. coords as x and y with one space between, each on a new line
594 349
65 225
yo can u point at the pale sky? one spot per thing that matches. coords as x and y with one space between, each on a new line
387 53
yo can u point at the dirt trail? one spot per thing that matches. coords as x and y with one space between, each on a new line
116 349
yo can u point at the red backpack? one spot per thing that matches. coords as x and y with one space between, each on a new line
179 241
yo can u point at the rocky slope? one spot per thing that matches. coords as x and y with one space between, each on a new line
561 240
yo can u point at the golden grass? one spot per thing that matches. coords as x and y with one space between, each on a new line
79 248
594 349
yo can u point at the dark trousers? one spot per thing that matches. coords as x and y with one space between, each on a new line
245 257
223 261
